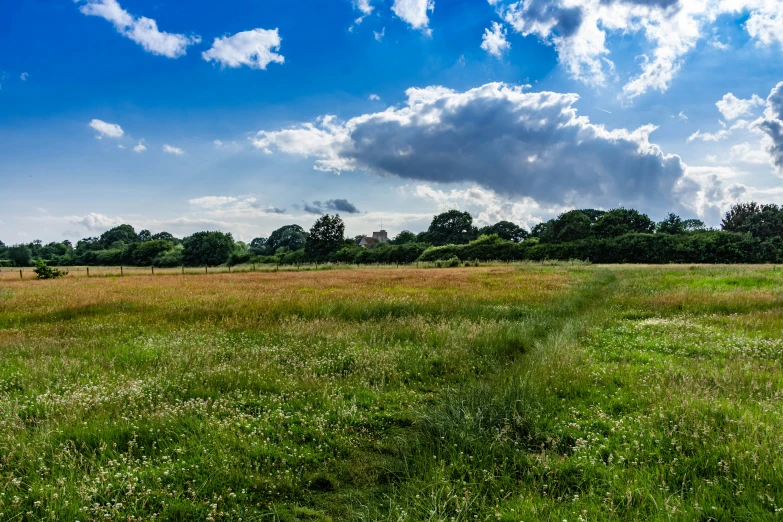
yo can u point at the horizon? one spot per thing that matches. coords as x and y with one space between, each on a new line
186 118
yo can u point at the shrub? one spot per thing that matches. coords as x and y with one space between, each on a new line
44 271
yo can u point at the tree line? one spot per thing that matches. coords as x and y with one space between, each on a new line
749 233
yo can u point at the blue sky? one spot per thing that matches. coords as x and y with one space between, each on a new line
247 115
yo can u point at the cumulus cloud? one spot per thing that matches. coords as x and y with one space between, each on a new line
500 137
24 76
144 31
414 12
363 6
379 35
494 40
771 124
336 205
212 201
173 150
108 130
579 30
732 107
140 147
374 97
95 222
255 49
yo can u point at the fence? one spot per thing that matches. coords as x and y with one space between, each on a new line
9 274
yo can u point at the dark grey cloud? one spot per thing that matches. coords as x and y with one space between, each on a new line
772 125
512 142
335 205
342 205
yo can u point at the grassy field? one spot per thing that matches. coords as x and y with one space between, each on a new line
521 392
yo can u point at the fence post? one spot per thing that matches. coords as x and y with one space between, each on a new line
205 269
229 269
254 267
121 274
153 269
20 275
183 269
88 271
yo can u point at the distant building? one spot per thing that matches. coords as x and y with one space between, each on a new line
377 237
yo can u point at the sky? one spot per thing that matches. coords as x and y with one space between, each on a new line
244 115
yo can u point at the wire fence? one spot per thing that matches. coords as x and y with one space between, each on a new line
8 273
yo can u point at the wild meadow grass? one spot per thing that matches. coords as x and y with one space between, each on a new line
518 392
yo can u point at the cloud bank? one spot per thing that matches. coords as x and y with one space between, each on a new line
579 30
501 137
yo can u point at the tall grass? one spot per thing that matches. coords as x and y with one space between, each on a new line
520 392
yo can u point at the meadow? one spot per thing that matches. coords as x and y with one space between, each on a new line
519 392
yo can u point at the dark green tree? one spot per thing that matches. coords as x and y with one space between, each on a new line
693 225
571 226
207 248
621 221
403 238
326 237
452 228
19 255
145 235
735 218
124 234
145 253
505 230
291 236
671 225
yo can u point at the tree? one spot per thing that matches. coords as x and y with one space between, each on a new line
291 236
403 238
165 236
506 230
671 225
207 248
20 255
326 237
452 228
735 218
693 225
761 221
145 235
145 253
571 226
122 233
621 221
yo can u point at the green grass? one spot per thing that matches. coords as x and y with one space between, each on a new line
521 392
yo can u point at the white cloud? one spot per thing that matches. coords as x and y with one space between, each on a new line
579 30
144 31
374 97
24 76
212 201
414 12
747 153
722 134
254 49
173 150
765 24
732 107
512 142
108 130
494 40
363 6
140 147
486 206
682 116
95 222
379 36
217 143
